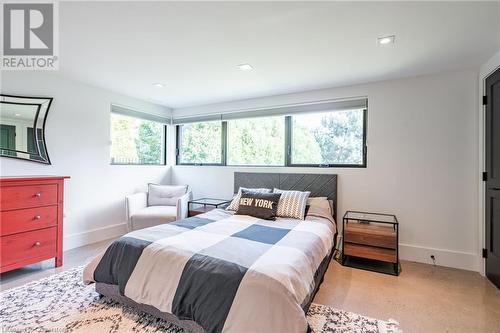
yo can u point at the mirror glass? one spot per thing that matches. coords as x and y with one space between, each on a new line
22 127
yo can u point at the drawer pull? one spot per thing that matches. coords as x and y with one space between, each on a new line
38 217
38 194
38 243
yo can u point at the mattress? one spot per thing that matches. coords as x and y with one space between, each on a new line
220 272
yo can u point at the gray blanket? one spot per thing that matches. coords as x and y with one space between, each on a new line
229 273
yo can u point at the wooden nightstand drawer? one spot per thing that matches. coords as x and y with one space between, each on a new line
370 252
367 234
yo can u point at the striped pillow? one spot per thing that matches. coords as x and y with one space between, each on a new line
292 203
235 204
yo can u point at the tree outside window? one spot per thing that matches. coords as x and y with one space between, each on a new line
136 141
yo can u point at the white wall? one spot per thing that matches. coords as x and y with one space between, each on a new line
423 162
77 134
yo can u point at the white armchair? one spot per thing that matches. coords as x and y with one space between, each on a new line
141 215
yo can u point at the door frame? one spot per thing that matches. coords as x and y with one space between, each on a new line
488 68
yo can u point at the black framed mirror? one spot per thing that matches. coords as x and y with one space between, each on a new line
22 127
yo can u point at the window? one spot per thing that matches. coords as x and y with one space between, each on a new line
137 141
294 135
199 143
256 141
328 138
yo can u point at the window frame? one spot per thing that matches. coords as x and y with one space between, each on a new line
289 136
178 149
287 149
165 140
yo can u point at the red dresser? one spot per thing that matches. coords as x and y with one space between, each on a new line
31 220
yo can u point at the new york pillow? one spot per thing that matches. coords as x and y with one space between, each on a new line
236 200
261 205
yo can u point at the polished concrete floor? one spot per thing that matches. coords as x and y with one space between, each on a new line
424 298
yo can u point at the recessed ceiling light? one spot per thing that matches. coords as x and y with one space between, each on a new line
158 84
386 40
245 67
17 115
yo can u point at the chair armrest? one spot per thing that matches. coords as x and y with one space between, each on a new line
134 203
182 205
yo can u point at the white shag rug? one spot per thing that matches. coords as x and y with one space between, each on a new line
62 303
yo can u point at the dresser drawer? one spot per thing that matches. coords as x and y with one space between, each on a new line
14 221
15 197
27 246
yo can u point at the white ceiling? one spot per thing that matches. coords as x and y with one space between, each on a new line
194 47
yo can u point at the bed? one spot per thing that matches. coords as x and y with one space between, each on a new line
221 272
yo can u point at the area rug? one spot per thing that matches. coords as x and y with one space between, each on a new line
62 303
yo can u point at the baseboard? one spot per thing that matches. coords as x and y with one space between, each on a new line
447 258
94 236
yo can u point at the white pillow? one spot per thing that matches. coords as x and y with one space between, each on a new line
292 203
320 202
235 204
165 195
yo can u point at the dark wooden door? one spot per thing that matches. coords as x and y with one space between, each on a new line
492 151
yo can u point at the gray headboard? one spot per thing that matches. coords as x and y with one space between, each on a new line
320 185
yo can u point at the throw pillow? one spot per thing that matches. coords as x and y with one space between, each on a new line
260 205
292 203
236 200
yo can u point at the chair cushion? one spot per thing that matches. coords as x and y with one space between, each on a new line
154 215
165 195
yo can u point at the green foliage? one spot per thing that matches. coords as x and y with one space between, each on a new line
149 142
340 137
135 141
328 138
123 145
325 138
201 142
305 148
259 141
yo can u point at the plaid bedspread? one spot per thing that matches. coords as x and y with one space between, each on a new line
228 273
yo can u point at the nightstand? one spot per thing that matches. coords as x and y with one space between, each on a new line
370 241
203 205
